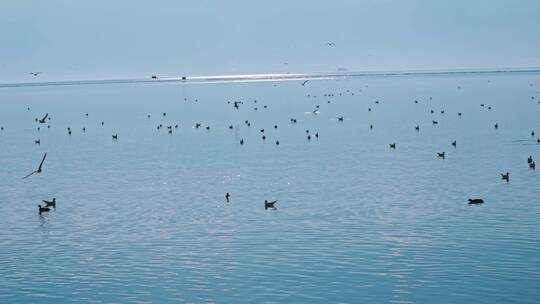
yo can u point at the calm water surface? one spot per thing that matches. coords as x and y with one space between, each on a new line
143 219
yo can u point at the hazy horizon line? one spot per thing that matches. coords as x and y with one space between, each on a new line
266 77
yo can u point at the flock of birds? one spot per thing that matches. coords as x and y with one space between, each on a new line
236 105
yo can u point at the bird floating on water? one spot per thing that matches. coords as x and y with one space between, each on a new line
50 203
270 205
43 209
475 201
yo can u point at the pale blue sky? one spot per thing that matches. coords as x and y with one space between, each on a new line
101 39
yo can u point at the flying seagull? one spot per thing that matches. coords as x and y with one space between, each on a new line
39 168
43 119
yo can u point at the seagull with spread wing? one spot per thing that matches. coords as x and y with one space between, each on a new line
43 120
39 168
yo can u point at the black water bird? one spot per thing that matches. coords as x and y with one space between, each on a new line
392 145
475 201
454 143
532 165
417 128
440 155
530 159
37 142
277 142
263 137
43 209
496 126
39 169
50 203
506 177
269 205
434 122
242 141
340 119
227 196
115 136
532 133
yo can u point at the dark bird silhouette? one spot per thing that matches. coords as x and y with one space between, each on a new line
35 73
440 155
44 119
505 177
392 145
277 142
43 209
304 82
39 169
475 201
227 196
50 203
37 142
269 205
434 122
532 165
340 118
496 126
529 159
242 141
454 143
115 136
417 128
532 133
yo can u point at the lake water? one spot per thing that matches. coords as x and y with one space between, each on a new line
143 219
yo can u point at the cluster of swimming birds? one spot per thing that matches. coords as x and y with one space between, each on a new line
237 104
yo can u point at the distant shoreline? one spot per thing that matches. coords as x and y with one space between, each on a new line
275 77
